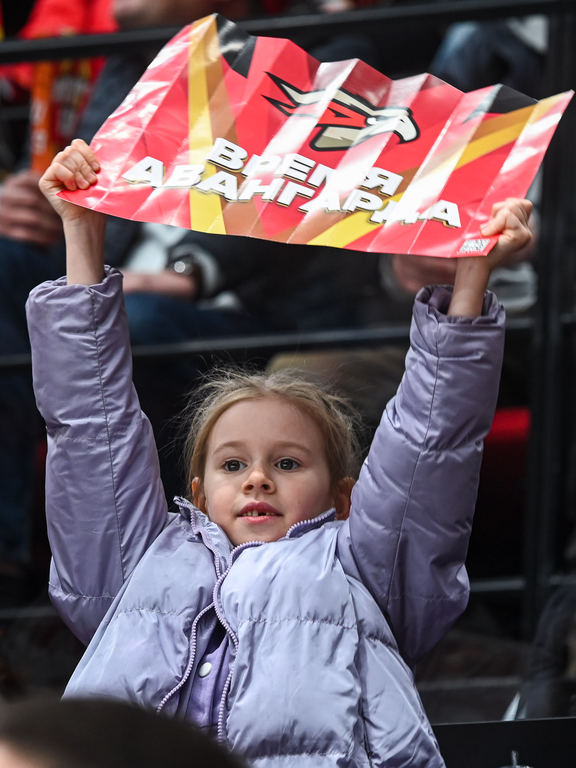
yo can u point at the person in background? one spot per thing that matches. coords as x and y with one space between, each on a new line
369 377
478 54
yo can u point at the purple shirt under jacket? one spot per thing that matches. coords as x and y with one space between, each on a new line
208 683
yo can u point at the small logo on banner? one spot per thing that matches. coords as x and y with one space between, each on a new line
473 246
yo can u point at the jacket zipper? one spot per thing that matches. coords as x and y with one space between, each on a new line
221 736
220 614
221 733
312 523
190 664
192 653
199 531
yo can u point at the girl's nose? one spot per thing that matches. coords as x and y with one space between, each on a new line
258 480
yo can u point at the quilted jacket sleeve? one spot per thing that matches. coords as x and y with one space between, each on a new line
104 499
412 508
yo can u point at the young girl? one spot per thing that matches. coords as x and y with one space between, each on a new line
254 612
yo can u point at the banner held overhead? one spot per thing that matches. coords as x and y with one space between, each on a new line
240 135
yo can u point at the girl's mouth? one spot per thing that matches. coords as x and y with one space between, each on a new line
258 509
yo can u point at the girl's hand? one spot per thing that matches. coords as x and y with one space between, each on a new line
510 219
73 168
76 168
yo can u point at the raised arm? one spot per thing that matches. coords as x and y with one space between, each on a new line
104 499
76 168
412 508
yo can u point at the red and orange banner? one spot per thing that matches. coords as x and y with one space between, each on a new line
241 135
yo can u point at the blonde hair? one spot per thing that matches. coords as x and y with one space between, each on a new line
335 417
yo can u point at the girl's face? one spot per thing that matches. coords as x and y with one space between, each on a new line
266 469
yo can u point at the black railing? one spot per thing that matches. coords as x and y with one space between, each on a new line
273 342
293 27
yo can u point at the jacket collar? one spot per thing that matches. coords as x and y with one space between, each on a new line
202 525
309 525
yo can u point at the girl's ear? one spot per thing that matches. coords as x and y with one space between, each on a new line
342 497
198 496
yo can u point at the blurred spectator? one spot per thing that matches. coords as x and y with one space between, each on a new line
29 253
96 733
58 89
479 54
549 687
370 377
13 126
54 18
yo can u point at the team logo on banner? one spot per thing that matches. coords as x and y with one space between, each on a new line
240 135
346 120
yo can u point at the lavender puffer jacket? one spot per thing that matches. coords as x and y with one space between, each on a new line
325 623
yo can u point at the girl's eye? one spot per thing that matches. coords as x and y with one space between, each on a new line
233 465
287 464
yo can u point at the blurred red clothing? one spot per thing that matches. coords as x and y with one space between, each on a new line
60 89
53 18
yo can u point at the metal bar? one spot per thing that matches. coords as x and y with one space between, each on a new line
11 363
272 342
17 112
84 46
286 342
517 584
512 584
280 342
562 580
443 12
27 612
295 27
466 683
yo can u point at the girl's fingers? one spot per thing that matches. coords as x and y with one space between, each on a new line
522 208
88 153
510 221
496 224
61 174
71 168
512 215
511 202
76 161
